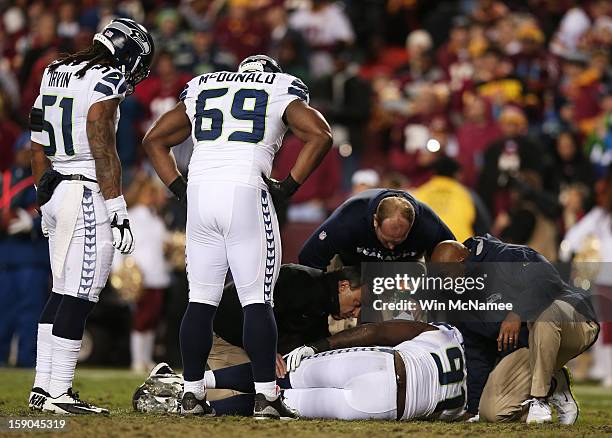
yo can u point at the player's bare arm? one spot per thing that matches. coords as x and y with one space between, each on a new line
101 135
388 334
384 334
39 161
171 129
309 126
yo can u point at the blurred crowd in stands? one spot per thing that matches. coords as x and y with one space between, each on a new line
496 113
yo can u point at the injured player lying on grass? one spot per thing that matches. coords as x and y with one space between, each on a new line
394 370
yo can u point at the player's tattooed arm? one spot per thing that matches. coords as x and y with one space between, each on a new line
171 129
388 333
39 161
101 120
311 127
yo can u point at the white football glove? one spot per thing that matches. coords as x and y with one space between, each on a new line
294 358
43 227
123 239
21 224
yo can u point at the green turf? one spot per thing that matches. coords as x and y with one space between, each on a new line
113 389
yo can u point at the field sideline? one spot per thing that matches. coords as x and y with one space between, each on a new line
114 388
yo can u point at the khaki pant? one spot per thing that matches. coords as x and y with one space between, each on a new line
223 355
558 335
507 387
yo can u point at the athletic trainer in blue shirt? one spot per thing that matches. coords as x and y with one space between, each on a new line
376 225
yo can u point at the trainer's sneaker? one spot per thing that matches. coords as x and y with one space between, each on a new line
273 410
563 398
69 403
37 399
190 405
539 411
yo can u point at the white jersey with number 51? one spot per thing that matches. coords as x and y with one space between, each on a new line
65 101
237 123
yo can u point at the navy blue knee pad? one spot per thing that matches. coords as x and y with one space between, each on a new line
72 313
48 314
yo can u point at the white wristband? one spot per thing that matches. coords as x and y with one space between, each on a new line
115 204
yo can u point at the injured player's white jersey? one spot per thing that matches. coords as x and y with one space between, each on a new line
65 101
435 374
237 123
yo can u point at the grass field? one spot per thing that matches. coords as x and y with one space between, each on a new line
114 388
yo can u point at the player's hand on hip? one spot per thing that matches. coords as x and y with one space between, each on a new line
281 191
294 358
509 332
123 239
179 188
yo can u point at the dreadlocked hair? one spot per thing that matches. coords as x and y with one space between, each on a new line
96 54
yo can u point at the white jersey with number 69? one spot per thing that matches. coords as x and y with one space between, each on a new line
65 101
237 123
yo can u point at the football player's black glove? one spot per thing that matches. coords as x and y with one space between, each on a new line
281 191
179 188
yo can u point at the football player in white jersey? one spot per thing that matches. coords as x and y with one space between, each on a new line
394 370
421 376
237 121
78 176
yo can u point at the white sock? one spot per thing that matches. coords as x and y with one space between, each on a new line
268 389
64 360
148 343
197 387
44 348
136 349
209 380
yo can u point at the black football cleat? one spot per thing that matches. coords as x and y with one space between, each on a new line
190 405
273 410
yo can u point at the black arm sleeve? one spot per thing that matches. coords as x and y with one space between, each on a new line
36 120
